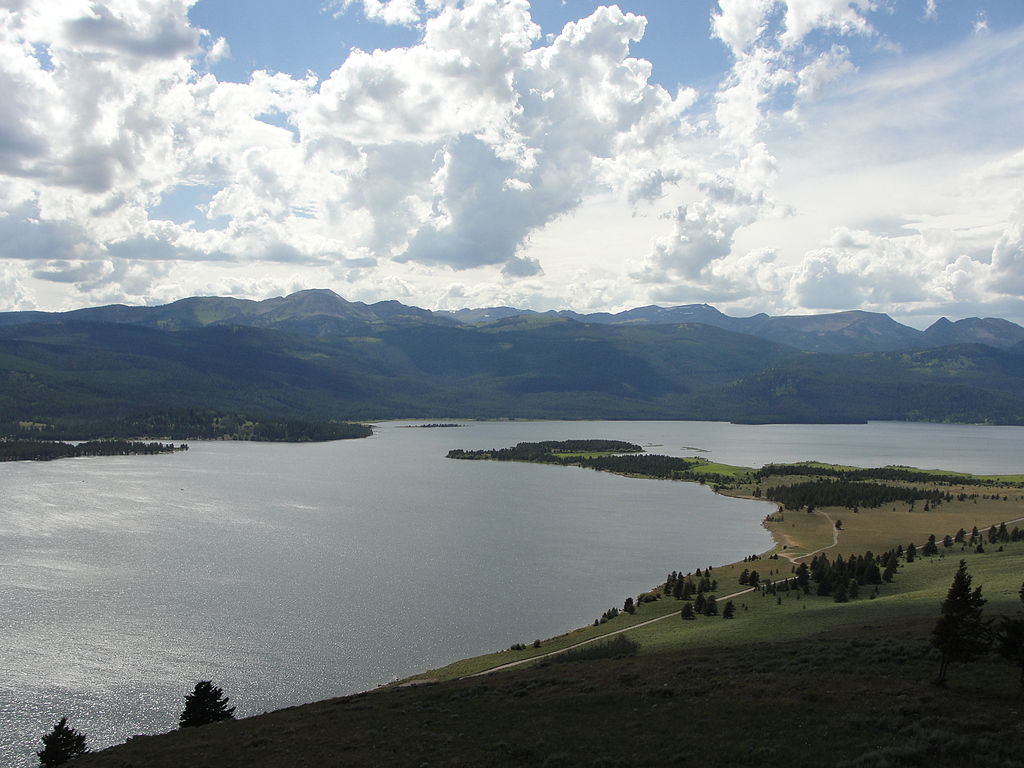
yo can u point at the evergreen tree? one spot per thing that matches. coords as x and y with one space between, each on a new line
1010 642
853 589
729 611
699 603
1010 639
61 744
206 704
710 606
930 548
803 577
911 552
687 612
842 592
959 634
628 606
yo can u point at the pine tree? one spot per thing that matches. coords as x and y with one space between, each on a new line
930 548
61 744
1010 639
729 611
206 704
678 587
842 592
710 606
803 577
959 634
687 612
1010 643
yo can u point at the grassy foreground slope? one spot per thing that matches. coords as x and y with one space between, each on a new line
792 680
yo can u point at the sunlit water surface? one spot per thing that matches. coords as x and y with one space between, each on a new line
289 573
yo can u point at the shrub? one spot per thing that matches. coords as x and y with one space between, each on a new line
616 647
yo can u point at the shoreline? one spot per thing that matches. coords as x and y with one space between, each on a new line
784 543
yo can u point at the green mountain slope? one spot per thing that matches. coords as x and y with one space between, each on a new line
525 366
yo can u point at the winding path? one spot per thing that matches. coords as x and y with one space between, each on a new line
672 614
794 556
791 556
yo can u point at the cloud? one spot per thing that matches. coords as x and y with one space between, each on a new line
464 166
72 271
14 296
522 267
845 16
24 235
1007 270
818 75
137 28
739 23
406 12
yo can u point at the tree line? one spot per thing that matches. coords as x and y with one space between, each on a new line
896 474
192 424
845 493
47 450
548 450
619 457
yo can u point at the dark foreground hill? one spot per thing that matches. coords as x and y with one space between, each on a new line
855 697
315 356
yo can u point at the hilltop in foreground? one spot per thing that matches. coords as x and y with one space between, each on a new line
837 675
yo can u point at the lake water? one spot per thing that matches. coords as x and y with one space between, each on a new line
289 573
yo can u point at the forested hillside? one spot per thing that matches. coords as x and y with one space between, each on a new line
325 360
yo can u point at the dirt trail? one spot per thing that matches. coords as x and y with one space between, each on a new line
794 556
673 614
791 556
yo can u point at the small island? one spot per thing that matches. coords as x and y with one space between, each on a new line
439 425
190 424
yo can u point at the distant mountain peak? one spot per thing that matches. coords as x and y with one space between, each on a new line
991 331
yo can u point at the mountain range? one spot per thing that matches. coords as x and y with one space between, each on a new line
321 312
315 355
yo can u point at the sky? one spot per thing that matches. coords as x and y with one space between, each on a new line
780 156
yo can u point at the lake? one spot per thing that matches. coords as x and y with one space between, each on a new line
289 573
